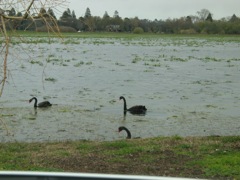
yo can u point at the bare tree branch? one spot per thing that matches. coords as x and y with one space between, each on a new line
4 31
27 6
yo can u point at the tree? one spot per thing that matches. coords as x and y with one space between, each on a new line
186 23
12 12
51 13
69 19
88 21
69 12
66 14
209 18
135 22
105 21
127 25
234 18
19 14
116 15
202 14
74 15
117 21
194 18
87 13
153 26
43 13
189 20
106 16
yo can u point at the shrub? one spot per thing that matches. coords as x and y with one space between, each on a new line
188 31
138 30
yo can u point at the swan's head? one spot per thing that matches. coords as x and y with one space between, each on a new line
121 128
30 100
121 97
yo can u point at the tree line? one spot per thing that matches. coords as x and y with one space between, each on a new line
202 22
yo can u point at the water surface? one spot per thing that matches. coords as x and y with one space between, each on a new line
190 87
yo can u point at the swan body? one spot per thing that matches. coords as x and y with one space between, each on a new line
125 129
41 104
139 109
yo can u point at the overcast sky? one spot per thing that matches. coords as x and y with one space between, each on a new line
156 9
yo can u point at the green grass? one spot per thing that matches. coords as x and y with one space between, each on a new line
102 38
179 37
222 164
202 157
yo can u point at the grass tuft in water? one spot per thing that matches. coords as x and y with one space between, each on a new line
79 64
50 79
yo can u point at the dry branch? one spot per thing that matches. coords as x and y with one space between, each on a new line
28 5
6 55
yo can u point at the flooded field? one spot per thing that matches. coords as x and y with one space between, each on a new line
190 86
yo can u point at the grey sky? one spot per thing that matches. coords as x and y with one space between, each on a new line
159 9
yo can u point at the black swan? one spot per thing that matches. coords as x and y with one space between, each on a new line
135 109
41 104
128 132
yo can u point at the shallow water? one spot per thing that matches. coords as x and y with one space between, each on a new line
190 87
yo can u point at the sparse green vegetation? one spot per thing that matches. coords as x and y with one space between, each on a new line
119 64
79 64
136 59
50 79
36 62
88 63
173 58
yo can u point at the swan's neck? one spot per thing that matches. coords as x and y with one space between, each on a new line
124 105
128 134
35 103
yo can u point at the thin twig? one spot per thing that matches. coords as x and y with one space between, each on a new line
6 127
6 55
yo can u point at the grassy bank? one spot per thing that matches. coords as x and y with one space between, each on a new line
203 157
99 38
119 35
